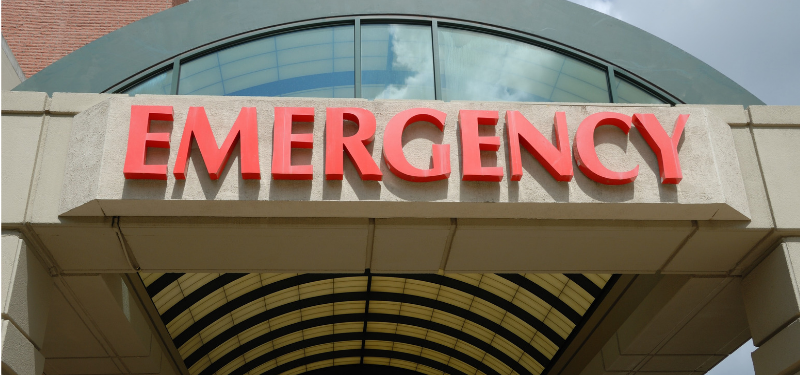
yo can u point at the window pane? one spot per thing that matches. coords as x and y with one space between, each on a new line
477 66
628 93
160 84
396 62
314 63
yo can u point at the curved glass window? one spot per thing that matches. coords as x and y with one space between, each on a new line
628 93
159 85
314 63
478 66
396 62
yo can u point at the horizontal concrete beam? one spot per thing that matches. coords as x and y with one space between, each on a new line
712 187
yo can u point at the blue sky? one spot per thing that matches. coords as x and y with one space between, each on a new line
755 43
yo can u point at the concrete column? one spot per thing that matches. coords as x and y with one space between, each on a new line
27 288
772 301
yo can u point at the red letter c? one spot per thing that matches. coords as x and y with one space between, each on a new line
586 155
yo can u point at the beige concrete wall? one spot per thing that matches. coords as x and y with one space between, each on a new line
772 300
40 145
701 261
712 188
683 325
26 297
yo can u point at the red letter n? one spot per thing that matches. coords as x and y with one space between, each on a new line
140 138
355 145
555 160
245 130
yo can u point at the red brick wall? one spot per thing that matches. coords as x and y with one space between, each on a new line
39 32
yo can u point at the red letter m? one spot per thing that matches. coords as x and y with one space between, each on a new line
244 129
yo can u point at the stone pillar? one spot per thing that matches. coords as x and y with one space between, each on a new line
27 289
772 301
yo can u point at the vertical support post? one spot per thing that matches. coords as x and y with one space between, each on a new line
771 293
357 57
437 79
176 75
27 288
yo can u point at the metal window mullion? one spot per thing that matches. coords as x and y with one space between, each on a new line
357 57
612 91
176 74
437 79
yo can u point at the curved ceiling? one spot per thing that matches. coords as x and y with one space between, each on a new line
133 49
492 324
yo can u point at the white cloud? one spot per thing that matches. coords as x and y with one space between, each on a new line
603 6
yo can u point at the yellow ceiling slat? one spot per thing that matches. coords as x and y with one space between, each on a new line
378 345
346 361
214 329
381 327
285 320
355 307
259 351
295 371
249 310
348 327
506 347
190 346
318 331
531 303
518 327
415 311
180 323
406 348
254 332
544 345
231 366
263 367
347 345
558 285
287 339
243 285
411 331
168 297
447 319
499 286
319 365
200 365
429 371
376 361
402 364
487 310
223 349
288 357
149 278
319 349
440 338
469 278
193 281
547 281
496 364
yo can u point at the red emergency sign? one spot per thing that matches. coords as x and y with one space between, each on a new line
555 158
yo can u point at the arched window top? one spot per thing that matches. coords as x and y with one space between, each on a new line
391 60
